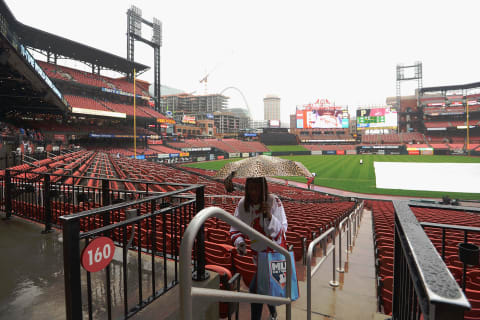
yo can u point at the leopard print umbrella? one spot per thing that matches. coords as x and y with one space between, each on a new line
263 166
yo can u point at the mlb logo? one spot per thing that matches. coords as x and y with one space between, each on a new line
279 272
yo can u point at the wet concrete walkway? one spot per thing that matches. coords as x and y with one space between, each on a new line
32 277
355 297
31 272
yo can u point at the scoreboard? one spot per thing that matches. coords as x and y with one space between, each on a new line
385 118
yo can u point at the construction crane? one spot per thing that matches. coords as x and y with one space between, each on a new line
204 80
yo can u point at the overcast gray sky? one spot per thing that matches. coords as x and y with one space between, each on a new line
345 51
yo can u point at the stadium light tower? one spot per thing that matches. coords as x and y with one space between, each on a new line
134 32
417 75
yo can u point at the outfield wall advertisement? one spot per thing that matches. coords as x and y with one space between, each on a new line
420 151
444 177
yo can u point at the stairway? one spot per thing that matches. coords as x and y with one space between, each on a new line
355 297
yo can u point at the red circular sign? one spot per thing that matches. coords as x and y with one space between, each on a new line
98 254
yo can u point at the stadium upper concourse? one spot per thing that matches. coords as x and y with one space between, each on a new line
71 174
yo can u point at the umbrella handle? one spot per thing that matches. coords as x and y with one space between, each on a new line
265 198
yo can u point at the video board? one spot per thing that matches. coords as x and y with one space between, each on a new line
317 117
386 118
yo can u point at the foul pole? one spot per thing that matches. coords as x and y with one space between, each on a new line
468 132
134 118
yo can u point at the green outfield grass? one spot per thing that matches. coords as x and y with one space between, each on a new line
287 148
345 172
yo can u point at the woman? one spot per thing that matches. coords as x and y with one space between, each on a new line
265 213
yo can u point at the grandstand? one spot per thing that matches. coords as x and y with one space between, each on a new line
445 112
75 106
97 111
383 222
434 119
99 106
394 138
85 183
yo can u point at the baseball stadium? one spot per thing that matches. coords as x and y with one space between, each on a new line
119 197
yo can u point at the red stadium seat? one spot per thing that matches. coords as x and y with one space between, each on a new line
227 282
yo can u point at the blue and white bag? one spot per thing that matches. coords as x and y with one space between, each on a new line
272 275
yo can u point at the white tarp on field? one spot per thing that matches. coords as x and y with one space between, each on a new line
448 177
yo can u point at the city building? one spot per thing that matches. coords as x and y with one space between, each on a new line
199 128
189 104
271 105
258 124
227 122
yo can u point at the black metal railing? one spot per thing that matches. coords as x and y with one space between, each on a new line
2 193
449 227
147 234
44 197
11 159
423 285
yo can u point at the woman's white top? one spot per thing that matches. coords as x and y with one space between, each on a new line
274 228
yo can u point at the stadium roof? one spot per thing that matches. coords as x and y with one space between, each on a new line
451 87
23 85
42 40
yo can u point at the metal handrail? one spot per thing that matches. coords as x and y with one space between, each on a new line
187 293
121 205
30 159
353 217
222 196
465 239
359 217
422 284
340 227
111 179
356 218
311 273
449 226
